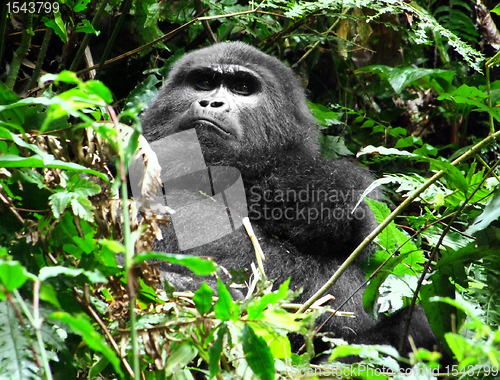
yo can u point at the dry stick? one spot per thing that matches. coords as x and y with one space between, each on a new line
12 209
167 36
110 338
315 45
199 8
259 254
376 271
390 218
132 52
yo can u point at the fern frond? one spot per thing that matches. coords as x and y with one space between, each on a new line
16 355
456 26
427 21
457 18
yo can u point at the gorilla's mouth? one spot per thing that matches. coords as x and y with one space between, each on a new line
209 123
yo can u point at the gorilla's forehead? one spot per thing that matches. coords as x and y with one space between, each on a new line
231 69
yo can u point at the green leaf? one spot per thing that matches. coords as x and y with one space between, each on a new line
400 78
473 97
65 76
406 142
83 185
467 254
5 133
406 263
439 314
333 147
469 92
225 309
141 95
93 339
369 352
80 5
256 308
12 275
199 266
490 213
59 201
48 294
7 96
83 208
279 344
257 354
36 161
453 174
98 367
113 245
458 345
282 320
203 299
387 238
16 355
396 292
57 25
13 117
98 88
86 27
181 354
426 150
49 272
215 351
324 115
370 149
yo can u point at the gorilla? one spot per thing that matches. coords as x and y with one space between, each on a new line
250 113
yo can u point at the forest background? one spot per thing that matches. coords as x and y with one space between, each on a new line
409 88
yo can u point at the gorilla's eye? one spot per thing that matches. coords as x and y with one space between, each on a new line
205 85
242 89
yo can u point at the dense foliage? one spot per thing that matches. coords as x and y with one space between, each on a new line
410 86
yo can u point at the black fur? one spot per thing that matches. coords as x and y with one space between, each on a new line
270 136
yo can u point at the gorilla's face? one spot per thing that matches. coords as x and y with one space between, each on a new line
246 106
219 97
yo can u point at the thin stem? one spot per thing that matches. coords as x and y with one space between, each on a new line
118 26
36 323
433 254
168 36
21 51
476 148
488 89
129 249
86 39
41 56
3 26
